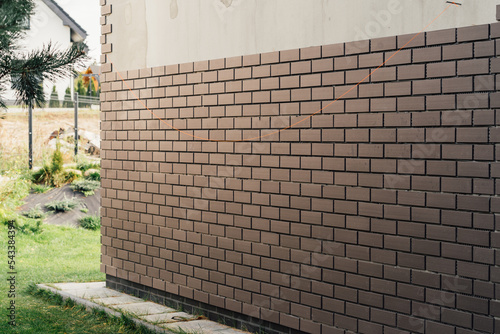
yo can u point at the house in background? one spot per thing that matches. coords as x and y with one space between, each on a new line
51 24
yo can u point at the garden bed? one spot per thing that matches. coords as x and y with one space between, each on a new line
87 205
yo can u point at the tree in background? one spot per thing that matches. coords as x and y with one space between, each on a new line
68 102
54 99
80 86
91 83
86 86
26 71
81 90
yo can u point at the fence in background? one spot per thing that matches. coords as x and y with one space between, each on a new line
90 102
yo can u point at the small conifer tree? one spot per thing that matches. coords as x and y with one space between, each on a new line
54 99
68 102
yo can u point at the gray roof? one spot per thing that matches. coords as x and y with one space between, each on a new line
80 33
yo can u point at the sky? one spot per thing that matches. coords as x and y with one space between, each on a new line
86 13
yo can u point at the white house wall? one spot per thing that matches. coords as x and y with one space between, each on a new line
162 32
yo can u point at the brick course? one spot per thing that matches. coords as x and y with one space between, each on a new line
378 214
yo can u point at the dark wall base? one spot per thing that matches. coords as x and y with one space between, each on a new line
233 319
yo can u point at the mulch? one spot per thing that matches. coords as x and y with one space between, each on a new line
70 218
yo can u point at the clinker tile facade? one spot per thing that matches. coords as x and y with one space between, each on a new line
379 214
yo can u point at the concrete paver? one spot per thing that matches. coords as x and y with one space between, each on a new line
230 331
117 300
143 308
79 286
198 326
168 317
94 293
158 317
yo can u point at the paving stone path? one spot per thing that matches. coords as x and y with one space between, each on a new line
154 316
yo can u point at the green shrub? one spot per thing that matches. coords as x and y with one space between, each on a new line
91 222
85 186
59 179
42 175
52 173
71 174
7 217
34 213
62 205
96 176
25 225
12 193
40 188
57 162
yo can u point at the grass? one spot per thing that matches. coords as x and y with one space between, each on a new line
95 314
45 253
30 227
84 163
12 193
50 254
59 254
40 188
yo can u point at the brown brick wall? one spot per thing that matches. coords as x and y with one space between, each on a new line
377 215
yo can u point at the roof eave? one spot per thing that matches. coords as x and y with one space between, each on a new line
67 20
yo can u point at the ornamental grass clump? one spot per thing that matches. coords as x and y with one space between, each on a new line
40 188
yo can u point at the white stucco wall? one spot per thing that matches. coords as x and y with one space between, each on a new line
45 27
149 33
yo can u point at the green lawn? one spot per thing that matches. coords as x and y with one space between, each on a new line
58 254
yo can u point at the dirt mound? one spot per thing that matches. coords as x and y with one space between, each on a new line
91 203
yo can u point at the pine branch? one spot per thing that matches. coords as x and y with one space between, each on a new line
12 15
2 103
29 71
